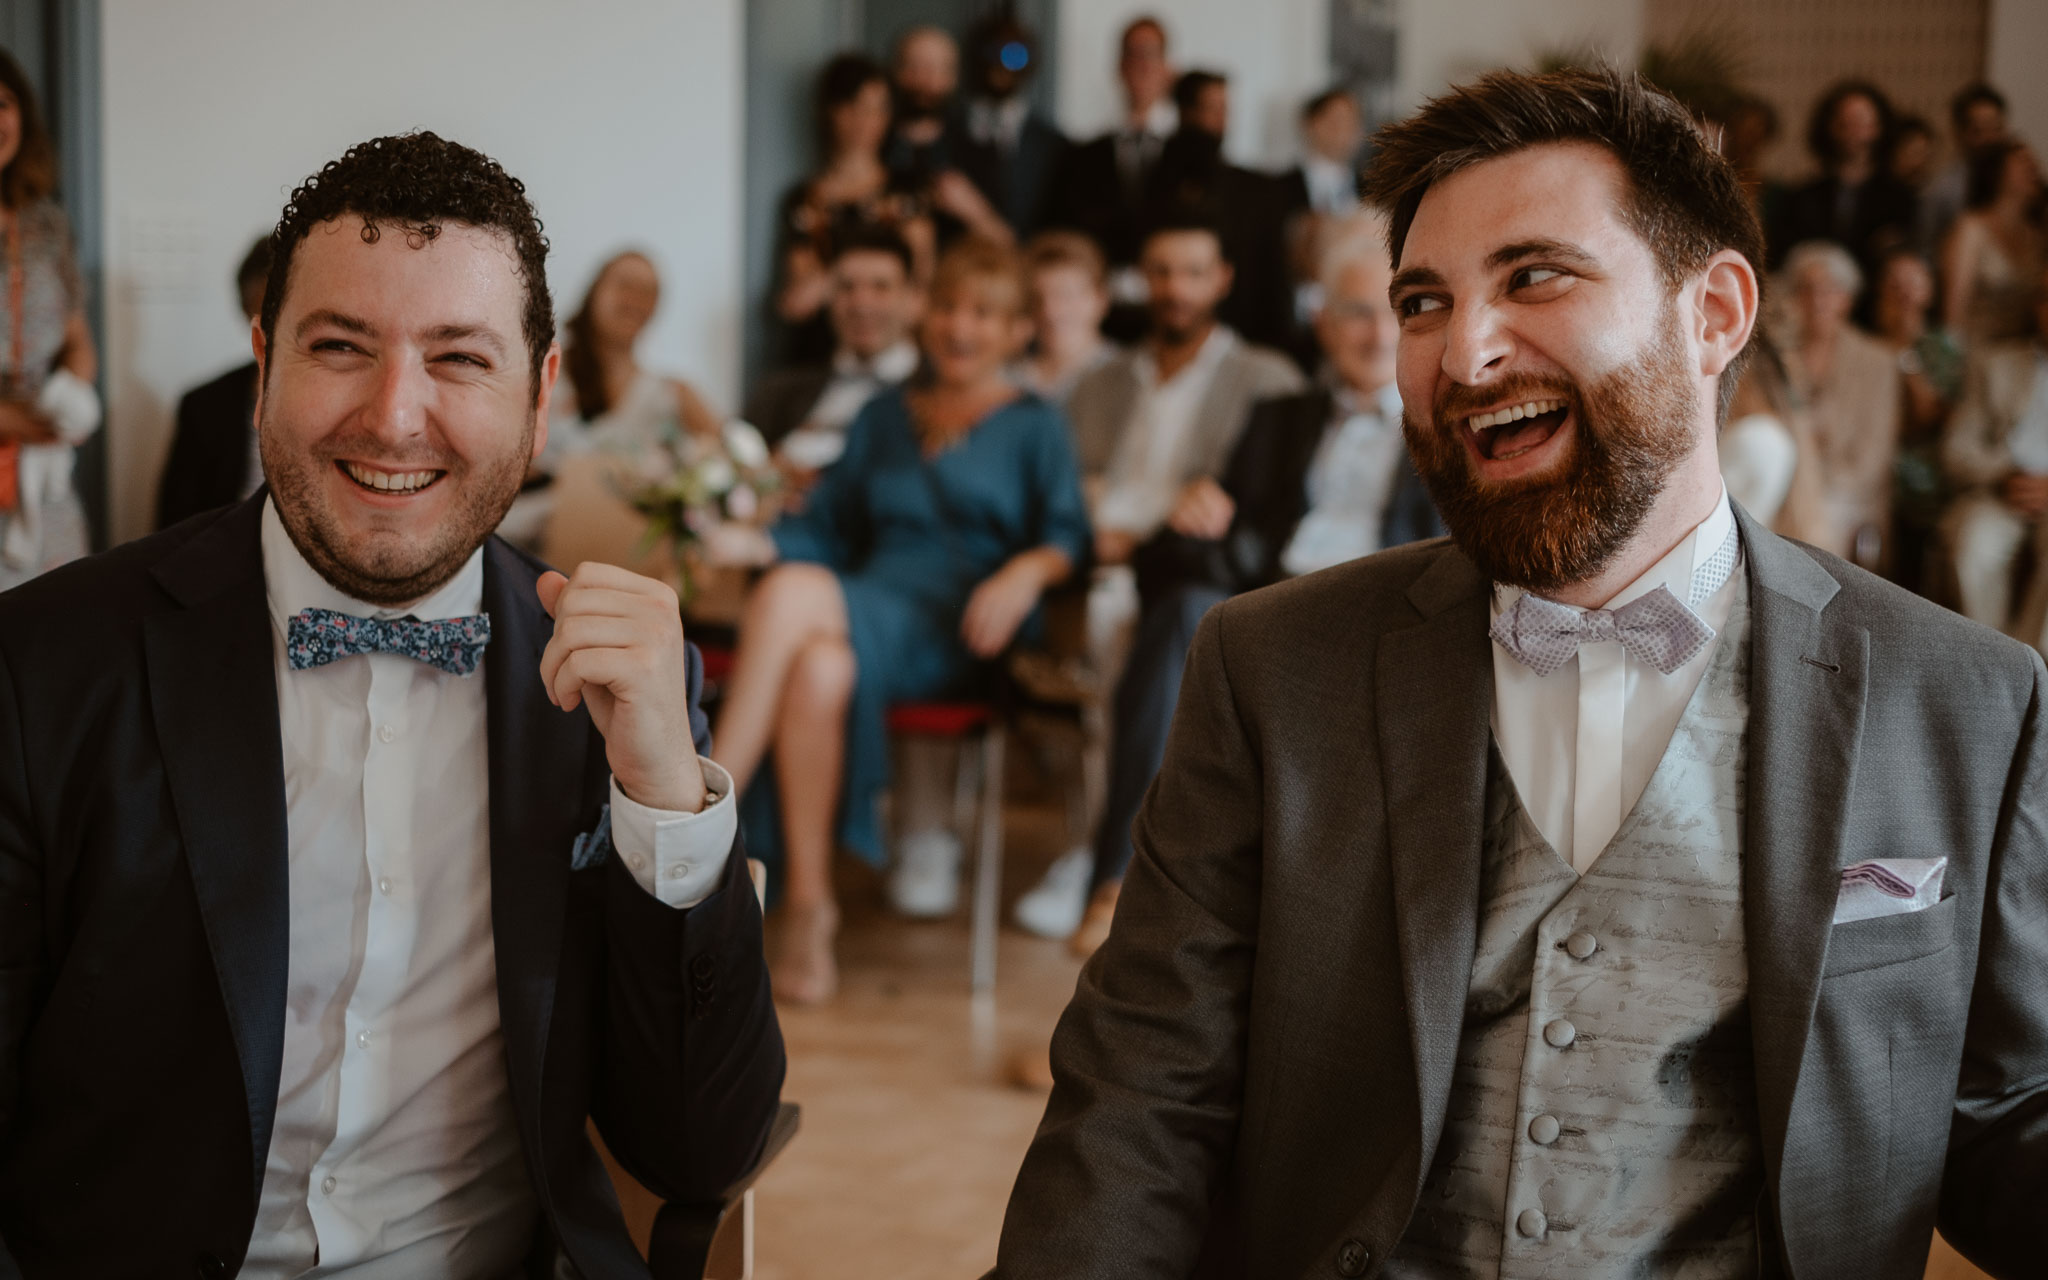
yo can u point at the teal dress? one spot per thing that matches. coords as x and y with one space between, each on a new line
910 539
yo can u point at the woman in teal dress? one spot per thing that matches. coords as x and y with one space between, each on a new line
917 558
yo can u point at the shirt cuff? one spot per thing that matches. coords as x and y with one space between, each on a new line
678 857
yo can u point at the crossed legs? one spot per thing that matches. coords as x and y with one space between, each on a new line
791 684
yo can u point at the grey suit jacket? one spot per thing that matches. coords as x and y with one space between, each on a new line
1252 1076
1105 398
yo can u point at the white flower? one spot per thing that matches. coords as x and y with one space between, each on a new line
742 504
716 474
743 441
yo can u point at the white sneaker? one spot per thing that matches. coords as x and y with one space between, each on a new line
925 883
1053 907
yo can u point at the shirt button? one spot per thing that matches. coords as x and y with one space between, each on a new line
1543 1130
1530 1223
327 1184
383 884
385 733
635 861
1581 945
678 871
1560 1034
362 1039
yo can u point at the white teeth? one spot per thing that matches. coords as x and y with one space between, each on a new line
390 481
1513 413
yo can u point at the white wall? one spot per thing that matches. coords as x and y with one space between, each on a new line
2018 64
623 118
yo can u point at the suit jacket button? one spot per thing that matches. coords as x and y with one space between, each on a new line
701 967
210 1267
1353 1258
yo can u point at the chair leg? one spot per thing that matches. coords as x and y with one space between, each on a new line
965 784
988 872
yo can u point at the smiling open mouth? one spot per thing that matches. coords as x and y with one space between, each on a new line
1511 431
393 482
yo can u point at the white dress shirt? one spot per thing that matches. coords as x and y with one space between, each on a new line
1582 742
1349 483
821 439
1332 186
1153 461
395 1151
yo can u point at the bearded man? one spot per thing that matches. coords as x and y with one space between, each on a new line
1614 889
339 888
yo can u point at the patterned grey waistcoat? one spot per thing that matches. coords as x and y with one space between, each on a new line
1602 1117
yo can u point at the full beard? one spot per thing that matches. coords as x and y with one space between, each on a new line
1548 531
384 575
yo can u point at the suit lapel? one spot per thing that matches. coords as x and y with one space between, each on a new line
536 782
1807 683
1435 694
213 695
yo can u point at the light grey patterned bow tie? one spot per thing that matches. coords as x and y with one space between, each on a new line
1543 635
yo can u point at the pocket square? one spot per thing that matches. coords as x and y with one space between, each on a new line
593 847
1889 887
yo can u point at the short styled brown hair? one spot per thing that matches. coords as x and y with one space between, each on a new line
1682 197
1067 249
976 261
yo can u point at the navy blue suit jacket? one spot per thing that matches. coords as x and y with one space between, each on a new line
144 921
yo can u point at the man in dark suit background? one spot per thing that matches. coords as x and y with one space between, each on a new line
332 941
213 446
1007 149
803 411
1615 888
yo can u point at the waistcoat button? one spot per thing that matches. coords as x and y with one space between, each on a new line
1543 1130
1581 945
1560 1034
1353 1258
1530 1223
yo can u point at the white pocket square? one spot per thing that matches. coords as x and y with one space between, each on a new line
1889 887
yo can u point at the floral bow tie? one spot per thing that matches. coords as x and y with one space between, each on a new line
317 637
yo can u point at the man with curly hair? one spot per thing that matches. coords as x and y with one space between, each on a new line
351 860
1614 889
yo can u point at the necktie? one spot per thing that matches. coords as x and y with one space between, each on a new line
1656 628
317 637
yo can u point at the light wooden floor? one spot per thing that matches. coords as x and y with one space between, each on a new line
911 1135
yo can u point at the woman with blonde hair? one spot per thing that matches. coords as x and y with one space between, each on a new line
918 557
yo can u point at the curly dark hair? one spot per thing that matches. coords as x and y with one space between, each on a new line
1820 126
416 182
1681 197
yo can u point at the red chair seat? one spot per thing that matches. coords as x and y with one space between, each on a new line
717 663
940 719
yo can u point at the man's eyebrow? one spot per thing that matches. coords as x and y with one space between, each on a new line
1415 278
481 334
334 320
1557 250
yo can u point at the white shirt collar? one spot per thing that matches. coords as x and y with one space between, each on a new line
1386 402
1674 572
1160 120
294 586
892 363
1214 347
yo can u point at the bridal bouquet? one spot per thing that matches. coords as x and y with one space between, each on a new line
688 484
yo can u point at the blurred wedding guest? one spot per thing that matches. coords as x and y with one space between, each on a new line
1007 150
605 401
1326 182
1977 119
1763 444
1849 384
1996 450
1909 158
1101 190
1069 297
916 560
1930 370
1195 180
1170 409
1853 201
1318 477
803 411
1995 249
48 404
853 188
924 76
214 459
1747 133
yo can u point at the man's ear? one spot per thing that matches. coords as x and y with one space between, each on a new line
261 350
1726 311
550 368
